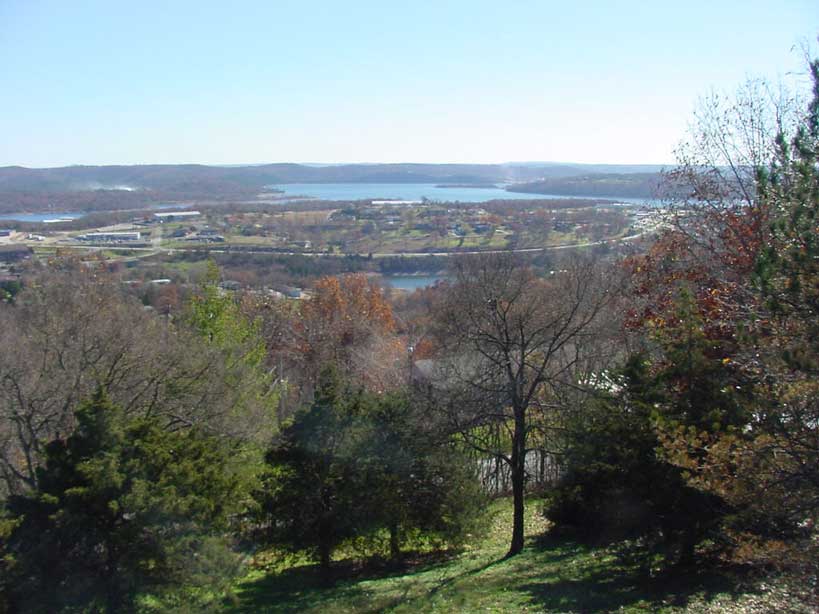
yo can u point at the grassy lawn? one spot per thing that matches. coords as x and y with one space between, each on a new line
551 575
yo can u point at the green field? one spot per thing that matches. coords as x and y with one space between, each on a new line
552 575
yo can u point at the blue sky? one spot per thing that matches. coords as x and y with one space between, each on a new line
108 82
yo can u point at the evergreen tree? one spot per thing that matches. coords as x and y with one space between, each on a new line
357 465
122 508
420 483
616 485
314 495
769 469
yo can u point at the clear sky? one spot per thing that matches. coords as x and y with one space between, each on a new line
172 81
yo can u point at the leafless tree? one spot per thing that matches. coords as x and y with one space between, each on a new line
513 341
69 333
714 183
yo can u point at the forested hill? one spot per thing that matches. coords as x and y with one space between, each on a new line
185 177
126 187
635 185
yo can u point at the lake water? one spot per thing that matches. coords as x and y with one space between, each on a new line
416 192
411 282
41 217
360 191
54 216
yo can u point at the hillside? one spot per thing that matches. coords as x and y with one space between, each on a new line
108 188
552 575
632 185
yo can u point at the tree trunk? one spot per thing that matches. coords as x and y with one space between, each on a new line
114 601
518 471
688 544
324 559
395 545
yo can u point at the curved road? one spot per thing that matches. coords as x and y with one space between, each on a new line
155 249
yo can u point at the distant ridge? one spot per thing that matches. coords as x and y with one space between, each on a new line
255 176
73 188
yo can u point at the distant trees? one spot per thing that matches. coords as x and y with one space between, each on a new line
509 341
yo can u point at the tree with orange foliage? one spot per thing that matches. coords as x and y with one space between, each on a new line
347 322
746 249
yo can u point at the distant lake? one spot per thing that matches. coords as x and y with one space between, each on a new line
411 282
417 191
71 215
41 217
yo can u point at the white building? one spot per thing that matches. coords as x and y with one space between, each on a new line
110 236
172 216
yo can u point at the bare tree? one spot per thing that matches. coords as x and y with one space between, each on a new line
712 190
70 333
511 341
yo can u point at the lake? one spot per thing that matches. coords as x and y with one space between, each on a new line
54 216
41 217
410 282
416 192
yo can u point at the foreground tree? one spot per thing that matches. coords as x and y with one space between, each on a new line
313 498
122 508
749 263
64 349
421 481
512 340
235 337
355 464
771 470
616 484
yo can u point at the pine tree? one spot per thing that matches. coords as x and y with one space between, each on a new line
120 508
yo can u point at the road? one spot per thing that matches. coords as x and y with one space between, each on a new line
156 249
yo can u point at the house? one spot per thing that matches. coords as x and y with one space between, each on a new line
230 284
291 292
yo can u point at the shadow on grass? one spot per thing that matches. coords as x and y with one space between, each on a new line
553 574
305 588
596 584
462 576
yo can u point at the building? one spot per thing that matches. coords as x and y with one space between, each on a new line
111 237
230 284
291 292
175 216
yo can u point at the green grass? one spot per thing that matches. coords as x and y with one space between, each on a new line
551 575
